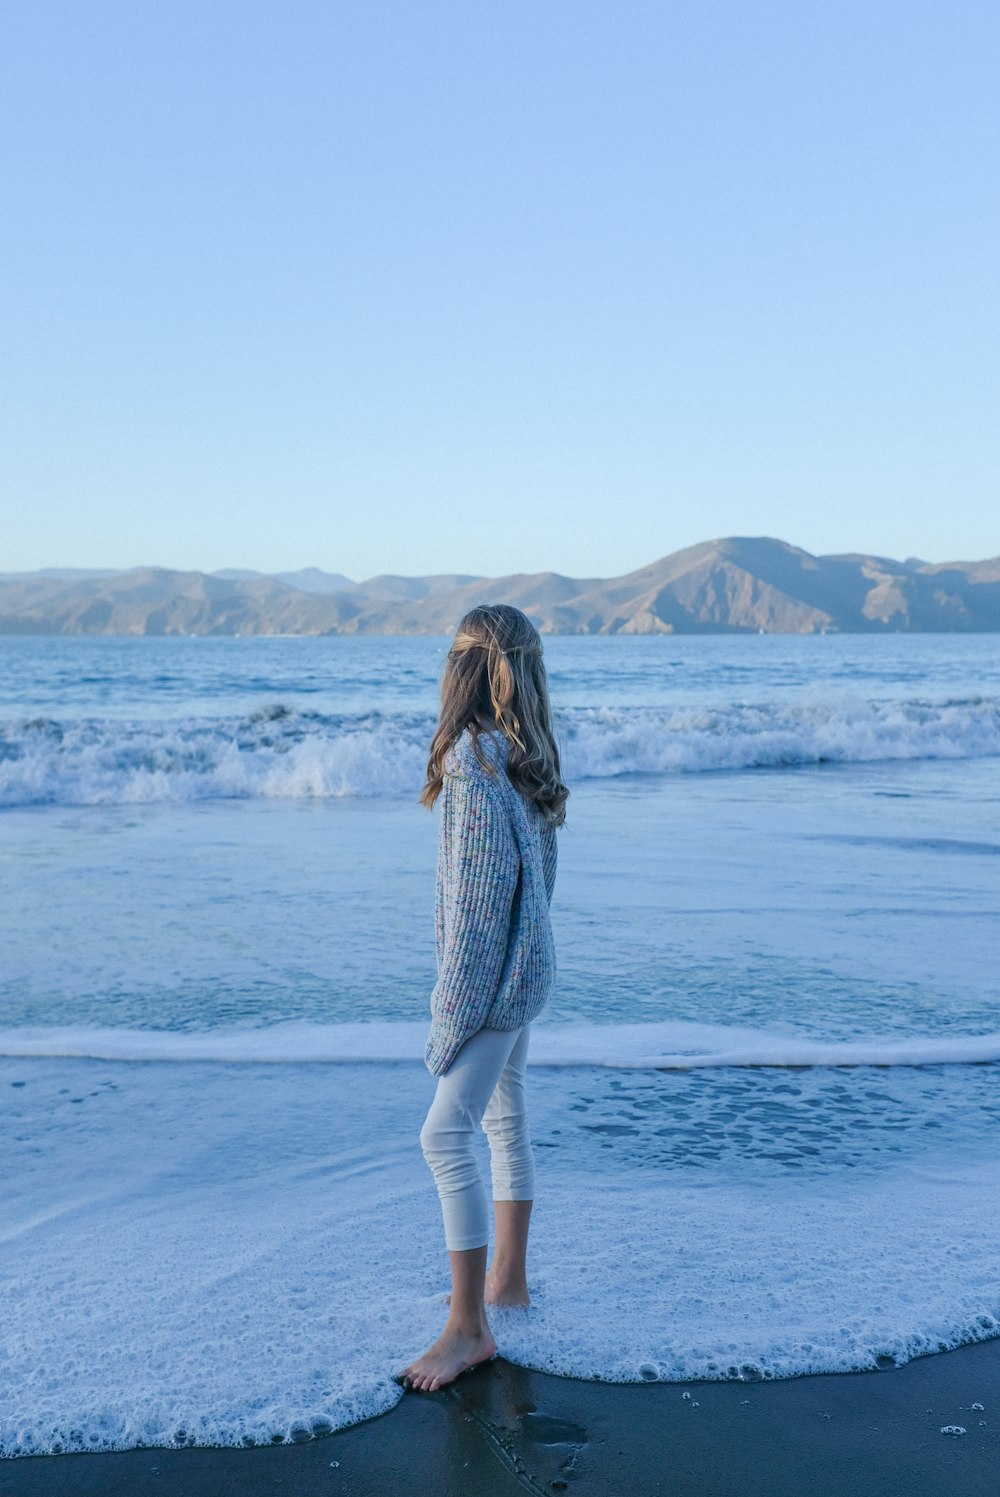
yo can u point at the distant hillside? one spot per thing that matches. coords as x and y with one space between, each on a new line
737 585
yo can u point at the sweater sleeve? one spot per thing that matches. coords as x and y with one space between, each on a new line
480 867
549 857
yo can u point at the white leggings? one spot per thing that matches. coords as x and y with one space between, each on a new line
484 1085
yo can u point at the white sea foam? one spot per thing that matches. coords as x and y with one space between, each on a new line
271 1254
282 754
672 1045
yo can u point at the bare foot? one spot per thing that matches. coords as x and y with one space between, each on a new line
453 1353
506 1292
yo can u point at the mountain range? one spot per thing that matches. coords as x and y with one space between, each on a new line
741 584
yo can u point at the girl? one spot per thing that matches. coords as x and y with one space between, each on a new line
495 764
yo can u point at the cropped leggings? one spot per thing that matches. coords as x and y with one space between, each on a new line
484 1086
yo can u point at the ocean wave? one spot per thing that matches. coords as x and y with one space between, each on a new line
277 752
672 1045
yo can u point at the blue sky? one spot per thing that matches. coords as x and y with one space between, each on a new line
492 287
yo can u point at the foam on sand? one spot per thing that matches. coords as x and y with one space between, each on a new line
211 1254
669 1045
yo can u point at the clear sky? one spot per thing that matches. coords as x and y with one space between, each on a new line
496 285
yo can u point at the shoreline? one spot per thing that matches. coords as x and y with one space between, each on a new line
505 1430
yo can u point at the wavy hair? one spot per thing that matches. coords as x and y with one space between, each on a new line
494 670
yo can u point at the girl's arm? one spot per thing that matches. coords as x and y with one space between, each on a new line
549 857
480 876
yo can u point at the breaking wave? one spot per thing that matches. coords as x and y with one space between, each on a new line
278 752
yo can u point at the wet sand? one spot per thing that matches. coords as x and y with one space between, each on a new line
503 1431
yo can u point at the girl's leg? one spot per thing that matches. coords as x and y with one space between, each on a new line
507 1275
506 1125
448 1141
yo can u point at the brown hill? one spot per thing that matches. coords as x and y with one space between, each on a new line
740 584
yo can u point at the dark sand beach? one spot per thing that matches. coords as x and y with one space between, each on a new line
505 1430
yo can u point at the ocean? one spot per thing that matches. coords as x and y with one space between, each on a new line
764 1094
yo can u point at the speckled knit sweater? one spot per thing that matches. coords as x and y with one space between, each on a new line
496 871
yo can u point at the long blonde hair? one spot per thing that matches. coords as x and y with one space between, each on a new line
494 669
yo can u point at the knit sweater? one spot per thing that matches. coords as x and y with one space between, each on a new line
496 871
